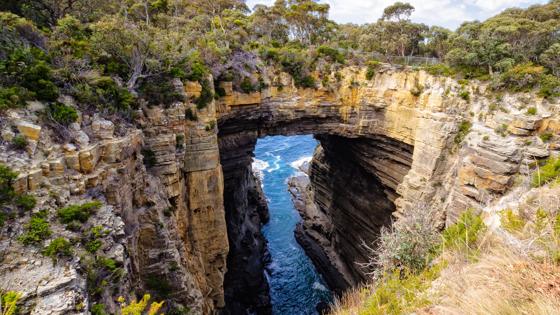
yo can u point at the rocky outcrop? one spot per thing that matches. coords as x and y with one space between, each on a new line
246 287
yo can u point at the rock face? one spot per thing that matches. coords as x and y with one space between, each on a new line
385 147
183 209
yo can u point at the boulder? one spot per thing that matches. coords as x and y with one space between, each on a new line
29 130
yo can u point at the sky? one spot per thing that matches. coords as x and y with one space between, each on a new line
448 13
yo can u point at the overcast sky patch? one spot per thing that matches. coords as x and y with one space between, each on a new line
432 12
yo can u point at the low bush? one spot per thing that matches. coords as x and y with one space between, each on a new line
549 86
19 142
98 309
464 235
511 221
522 77
80 213
59 247
545 137
15 96
191 115
439 70
409 245
105 93
464 129
206 95
547 173
25 202
247 85
37 230
464 94
7 178
332 53
62 114
532 111
372 67
159 91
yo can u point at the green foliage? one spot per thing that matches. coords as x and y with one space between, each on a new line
545 137
7 177
9 301
59 247
25 202
372 67
549 86
334 54
531 111
19 142
138 308
104 94
247 85
150 159
502 130
92 242
98 309
13 97
80 213
417 89
160 90
465 94
511 221
62 114
547 173
439 70
401 292
107 263
159 285
37 230
464 129
206 95
522 77
463 235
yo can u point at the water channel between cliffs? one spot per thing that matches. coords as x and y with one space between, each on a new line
295 285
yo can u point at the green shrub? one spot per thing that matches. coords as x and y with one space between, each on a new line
59 247
159 285
80 213
532 111
98 309
401 292
511 222
93 245
372 67
9 301
150 159
159 90
25 202
417 89
107 263
463 235
307 82
464 129
19 142
62 114
502 130
439 70
38 78
547 173
206 95
334 54
522 77
549 86
464 94
247 85
15 96
545 137
410 245
7 177
37 230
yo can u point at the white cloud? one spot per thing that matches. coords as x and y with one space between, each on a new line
447 13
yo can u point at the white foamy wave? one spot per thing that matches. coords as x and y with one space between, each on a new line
275 164
320 287
259 166
299 162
